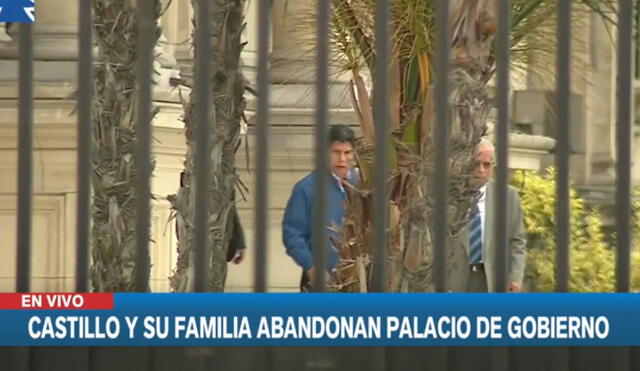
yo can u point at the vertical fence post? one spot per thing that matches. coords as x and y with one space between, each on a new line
25 156
21 355
563 144
144 67
562 156
204 119
440 356
85 126
441 183
503 43
263 355
320 238
84 167
381 161
623 158
502 149
381 112
623 141
262 147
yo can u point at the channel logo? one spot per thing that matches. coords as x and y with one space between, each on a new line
17 11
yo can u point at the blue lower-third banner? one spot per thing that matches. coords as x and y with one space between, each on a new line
68 319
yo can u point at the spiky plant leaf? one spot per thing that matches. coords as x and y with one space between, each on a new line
473 24
114 169
228 97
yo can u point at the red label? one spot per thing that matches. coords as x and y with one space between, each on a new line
51 300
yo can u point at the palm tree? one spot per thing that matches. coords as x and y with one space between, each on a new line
114 175
472 24
228 87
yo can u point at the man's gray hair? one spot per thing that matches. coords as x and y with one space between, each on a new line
485 143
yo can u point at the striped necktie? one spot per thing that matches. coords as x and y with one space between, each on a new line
475 236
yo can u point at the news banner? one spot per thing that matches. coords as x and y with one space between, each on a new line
128 319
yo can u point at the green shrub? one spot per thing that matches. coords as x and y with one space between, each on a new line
592 261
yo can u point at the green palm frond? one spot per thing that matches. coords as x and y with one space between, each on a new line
533 50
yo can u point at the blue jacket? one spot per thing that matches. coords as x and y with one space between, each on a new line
297 224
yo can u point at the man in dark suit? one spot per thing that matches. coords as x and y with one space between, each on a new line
474 269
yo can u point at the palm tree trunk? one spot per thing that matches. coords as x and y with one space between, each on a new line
114 175
411 202
228 87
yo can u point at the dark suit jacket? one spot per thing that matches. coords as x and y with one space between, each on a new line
236 242
458 273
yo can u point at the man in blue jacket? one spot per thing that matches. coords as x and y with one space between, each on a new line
297 224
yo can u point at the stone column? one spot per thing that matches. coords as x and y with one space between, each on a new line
294 43
177 27
249 57
293 68
292 56
4 36
55 51
55 128
593 99
54 31
168 77
601 103
54 177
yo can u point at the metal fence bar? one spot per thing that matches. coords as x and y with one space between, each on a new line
562 153
623 163
20 359
500 358
204 118
144 67
502 148
381 152
321 158
563 145
637 41
381 115
501 354
85 126
623 136
441 133
25 156
83 355
262 147
146 41
22 356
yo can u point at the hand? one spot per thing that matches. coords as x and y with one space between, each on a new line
309 284
514 287
239 257
311 273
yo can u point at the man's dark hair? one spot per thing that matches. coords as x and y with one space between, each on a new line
341 133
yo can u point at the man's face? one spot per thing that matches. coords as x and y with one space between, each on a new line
340 156
484 166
